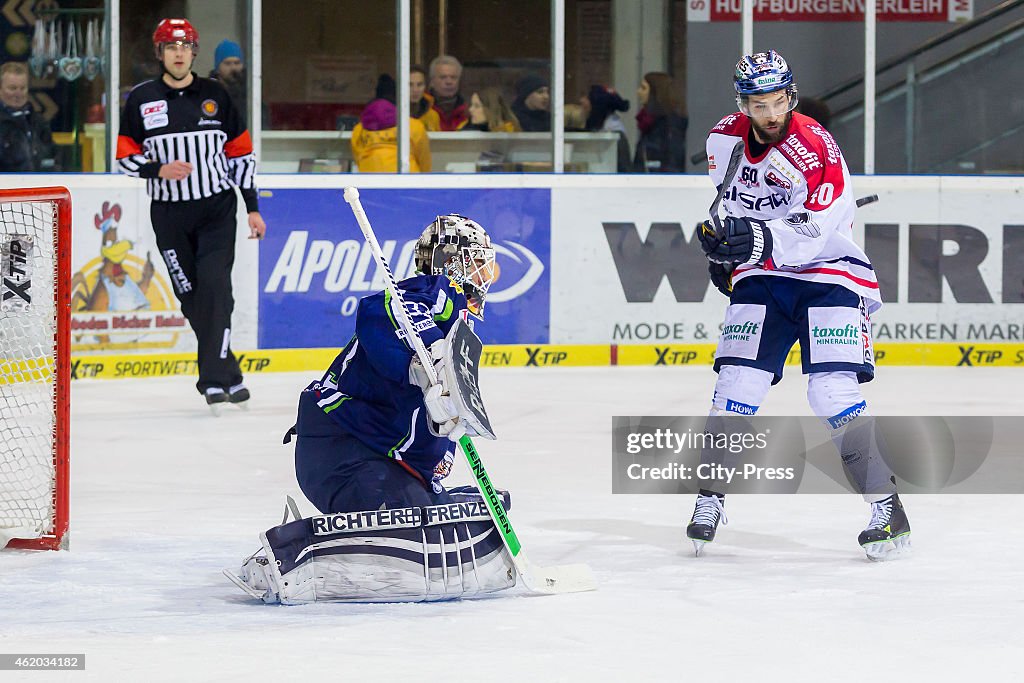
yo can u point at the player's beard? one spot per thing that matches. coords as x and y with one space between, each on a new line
771 137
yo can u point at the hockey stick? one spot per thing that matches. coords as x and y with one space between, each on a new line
869 199
560 579
730 173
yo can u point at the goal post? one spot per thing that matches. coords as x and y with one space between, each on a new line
35 367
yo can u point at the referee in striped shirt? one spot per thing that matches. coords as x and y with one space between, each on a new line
184 136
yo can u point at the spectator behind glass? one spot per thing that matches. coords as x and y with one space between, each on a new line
452 110
602 106
489 112
375 138
662 123
26 144
229 69
421 103
533 104
575 118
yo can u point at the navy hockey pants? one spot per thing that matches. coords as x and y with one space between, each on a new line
338 473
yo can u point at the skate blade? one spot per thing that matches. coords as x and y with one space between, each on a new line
215 408
888 550
698 547
241 405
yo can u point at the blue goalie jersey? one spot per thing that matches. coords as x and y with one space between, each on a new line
367 390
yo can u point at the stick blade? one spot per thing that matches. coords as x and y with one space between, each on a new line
566 578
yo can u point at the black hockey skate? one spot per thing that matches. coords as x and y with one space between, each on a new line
214 397
238 395
707 513
888 534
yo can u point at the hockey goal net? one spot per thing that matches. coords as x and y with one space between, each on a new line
35 257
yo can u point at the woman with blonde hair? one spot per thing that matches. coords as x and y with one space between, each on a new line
489 112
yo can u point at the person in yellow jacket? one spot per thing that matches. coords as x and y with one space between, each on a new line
421 102
375 137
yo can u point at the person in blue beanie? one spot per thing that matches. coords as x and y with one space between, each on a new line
229 69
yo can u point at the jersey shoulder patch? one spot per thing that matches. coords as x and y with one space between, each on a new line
733 124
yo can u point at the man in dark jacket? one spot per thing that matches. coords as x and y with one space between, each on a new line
229 69
533 104
445 76
26 144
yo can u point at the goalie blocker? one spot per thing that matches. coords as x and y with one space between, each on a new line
411 554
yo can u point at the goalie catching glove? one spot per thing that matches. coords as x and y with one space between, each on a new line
746 240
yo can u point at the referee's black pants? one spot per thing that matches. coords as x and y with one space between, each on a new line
197 241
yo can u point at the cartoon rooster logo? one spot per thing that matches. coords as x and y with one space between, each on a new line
113 289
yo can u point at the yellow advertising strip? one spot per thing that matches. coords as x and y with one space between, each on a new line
966 354
544 355
117 366
971 354
120 366
664 354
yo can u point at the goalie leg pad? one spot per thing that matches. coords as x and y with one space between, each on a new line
416 554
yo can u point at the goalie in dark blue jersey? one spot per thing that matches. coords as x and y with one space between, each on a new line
374 439
373 432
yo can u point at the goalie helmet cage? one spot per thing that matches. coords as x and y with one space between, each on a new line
35 311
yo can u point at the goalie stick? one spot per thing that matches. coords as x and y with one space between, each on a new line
571 578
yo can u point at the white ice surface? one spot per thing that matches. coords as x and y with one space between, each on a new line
164 496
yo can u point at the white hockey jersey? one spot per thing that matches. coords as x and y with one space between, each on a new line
801 187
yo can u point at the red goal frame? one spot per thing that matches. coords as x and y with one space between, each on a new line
58 537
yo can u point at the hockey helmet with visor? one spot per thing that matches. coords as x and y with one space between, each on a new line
460 249
760 74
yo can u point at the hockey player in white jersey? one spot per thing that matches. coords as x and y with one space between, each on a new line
785 256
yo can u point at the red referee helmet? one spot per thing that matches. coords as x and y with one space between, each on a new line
175 31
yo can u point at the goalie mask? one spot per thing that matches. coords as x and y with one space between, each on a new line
458 248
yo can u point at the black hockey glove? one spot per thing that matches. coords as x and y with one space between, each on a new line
747 240
721 277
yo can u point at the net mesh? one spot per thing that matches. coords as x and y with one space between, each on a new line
27 369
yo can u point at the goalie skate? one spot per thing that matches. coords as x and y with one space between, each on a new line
253 580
